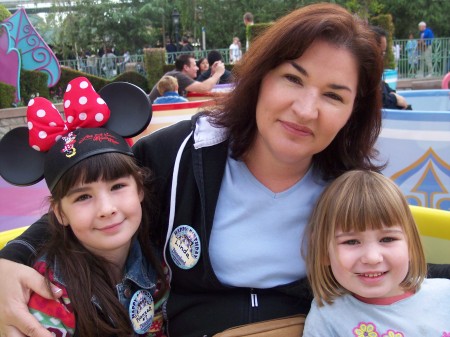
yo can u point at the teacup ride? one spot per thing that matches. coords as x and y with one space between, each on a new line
416 145
168 114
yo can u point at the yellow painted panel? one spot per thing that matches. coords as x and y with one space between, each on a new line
9 235
434 228
432 222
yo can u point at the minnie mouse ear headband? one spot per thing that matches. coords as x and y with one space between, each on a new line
50 146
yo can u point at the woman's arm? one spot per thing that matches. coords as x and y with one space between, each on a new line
17 281
15 290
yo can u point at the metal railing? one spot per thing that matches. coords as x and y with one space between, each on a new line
111 67
198 54
107 67
408 60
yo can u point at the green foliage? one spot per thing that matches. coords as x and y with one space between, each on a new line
255 30
136 24
408 13
102 25
7 95
67 75
4 13
364 8
158 12
32 84
133 77
224 19
167 68
385 21
154 61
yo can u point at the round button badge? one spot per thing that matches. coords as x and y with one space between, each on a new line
185 247
141 311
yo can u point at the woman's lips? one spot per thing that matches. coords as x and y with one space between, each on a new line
297 129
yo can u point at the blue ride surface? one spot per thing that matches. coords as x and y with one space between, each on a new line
416 146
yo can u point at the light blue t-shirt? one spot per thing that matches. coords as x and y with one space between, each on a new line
257 234
424 314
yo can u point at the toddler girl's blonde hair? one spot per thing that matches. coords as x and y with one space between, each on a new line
358 201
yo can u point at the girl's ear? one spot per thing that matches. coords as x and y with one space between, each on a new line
141 195
60 216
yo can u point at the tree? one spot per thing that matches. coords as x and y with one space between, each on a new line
159 13
134 24
102 24
4 13
364 8
407 14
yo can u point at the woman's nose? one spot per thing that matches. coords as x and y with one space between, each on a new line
306 106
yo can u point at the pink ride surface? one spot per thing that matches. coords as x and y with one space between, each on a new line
21 206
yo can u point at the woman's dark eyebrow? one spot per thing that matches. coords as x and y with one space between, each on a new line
299 68
302 70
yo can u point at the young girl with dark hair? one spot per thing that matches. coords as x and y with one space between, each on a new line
98 253
99 249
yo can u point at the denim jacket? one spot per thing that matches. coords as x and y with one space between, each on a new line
139 274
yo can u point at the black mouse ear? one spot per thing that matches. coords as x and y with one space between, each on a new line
131 110
20 164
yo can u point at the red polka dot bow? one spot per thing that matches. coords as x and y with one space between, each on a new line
83 108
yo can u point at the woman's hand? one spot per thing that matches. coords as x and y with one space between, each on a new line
17 281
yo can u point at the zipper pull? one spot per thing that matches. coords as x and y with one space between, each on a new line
253 298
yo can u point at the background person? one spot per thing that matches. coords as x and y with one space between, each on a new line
296 120
235 50
202 65
390 99
108 63
215 56
186 45
168 89
185 71
425 48
248 21
170 49
367 267
411 50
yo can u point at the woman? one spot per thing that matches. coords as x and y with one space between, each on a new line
306 108
202 65
235 50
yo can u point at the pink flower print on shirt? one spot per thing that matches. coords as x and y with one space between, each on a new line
365 330
391 333
445 334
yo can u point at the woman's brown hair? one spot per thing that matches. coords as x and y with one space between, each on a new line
287 39
86 274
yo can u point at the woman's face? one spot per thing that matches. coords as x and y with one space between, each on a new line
204 65
304 103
